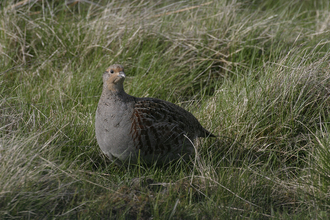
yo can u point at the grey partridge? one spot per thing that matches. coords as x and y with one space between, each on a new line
130 128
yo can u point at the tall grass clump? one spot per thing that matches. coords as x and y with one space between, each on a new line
255 73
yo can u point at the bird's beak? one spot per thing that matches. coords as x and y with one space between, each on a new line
122 75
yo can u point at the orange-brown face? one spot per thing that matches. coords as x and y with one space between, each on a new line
114 77
115 68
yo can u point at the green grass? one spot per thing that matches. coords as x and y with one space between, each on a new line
255 73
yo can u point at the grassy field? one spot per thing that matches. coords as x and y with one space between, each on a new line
255 73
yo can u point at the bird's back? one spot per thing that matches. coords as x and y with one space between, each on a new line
163 128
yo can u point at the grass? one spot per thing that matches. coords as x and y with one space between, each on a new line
255 73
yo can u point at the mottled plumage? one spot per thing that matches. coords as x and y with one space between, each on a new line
128 128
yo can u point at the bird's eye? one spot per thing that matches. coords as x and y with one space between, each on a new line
111 71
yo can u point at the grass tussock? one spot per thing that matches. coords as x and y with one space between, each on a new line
255 73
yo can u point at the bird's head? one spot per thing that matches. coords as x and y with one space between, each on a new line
114 77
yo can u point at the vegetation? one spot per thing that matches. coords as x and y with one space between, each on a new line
255 73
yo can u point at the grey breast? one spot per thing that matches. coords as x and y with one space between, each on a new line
112 127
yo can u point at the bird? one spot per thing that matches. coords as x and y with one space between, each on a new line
130 129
